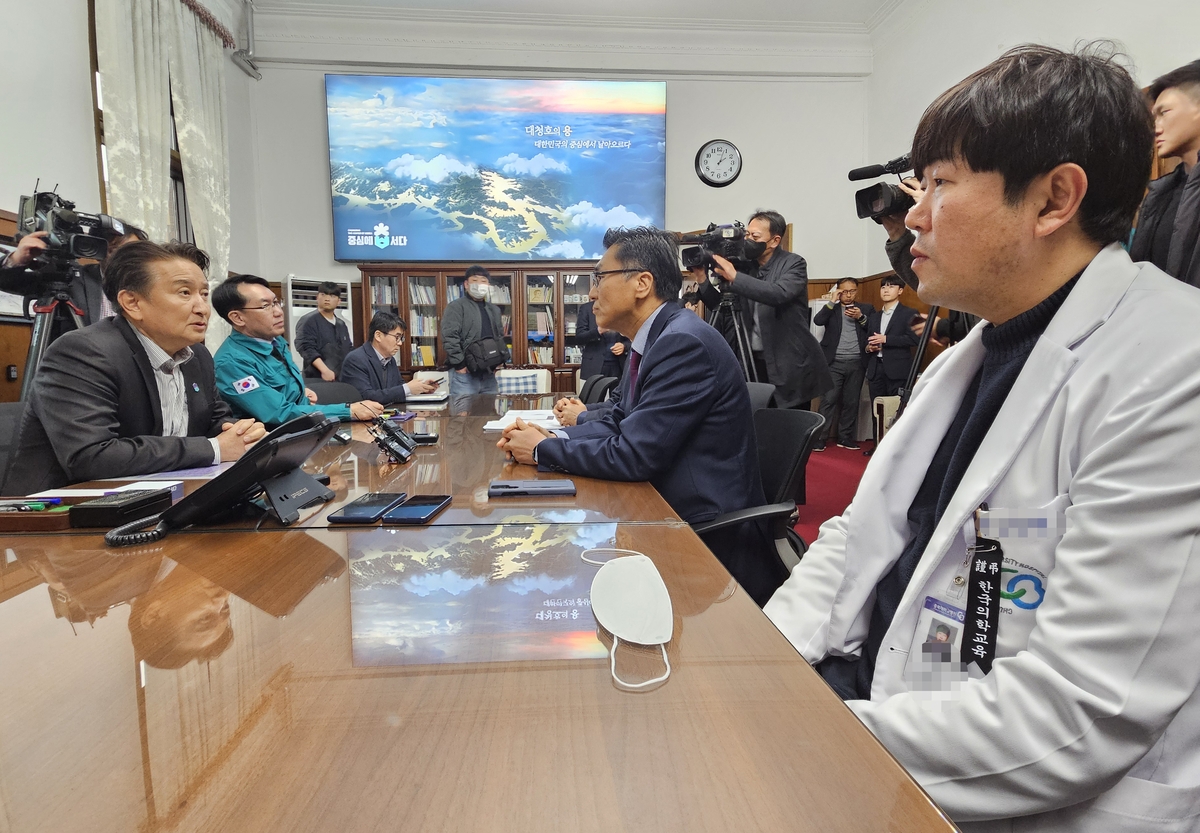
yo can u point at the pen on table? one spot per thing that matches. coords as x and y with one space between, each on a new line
44 501
24 507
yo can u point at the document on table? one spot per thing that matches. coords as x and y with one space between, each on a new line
200 473
176 487
545 419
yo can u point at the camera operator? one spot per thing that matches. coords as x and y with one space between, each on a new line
87 292
947 330
775 284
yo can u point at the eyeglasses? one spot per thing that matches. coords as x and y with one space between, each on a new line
398 335
599 276
275 303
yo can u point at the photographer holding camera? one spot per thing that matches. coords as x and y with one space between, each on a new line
86 291
775 282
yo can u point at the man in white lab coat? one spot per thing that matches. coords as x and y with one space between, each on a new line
1037 506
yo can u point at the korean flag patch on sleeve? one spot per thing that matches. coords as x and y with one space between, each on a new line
246 385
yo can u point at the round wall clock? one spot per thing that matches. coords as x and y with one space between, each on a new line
718 163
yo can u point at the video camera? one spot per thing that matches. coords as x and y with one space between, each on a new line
728 241
882 198
70 234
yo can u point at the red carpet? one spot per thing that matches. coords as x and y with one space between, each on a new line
833 476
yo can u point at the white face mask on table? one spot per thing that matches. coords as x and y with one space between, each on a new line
630 600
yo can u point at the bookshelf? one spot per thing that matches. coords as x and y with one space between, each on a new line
538 305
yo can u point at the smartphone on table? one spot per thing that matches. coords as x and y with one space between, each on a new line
418 509
367 509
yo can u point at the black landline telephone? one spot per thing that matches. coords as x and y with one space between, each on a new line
271 469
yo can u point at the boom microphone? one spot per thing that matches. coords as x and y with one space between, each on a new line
869 172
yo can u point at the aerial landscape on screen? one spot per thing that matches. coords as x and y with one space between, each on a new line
491 169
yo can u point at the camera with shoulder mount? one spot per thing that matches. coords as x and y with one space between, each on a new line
70 234
728 241
882 198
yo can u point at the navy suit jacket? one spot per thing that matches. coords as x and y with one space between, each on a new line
362 368
687 428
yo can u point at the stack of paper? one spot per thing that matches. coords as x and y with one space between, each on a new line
545 419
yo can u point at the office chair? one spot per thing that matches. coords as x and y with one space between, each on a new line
760 395
588 384
333 393
10 431
785 439
600 390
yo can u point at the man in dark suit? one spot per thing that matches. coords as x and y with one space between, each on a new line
890 340
372 368
844 343
604 351
322 339
133 394
774 312
684 420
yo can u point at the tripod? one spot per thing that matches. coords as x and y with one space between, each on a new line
729 311
53 309
922 345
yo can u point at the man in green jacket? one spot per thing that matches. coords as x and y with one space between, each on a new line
254 368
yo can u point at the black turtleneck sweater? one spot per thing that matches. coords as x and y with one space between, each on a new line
1007 347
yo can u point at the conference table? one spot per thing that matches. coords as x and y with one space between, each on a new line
253 677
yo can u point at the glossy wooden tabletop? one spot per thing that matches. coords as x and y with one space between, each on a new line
380 679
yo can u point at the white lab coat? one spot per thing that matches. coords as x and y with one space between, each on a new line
1090 717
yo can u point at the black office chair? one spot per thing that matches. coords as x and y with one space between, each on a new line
10 430
785 439
600 390
760 395
333 393
588 384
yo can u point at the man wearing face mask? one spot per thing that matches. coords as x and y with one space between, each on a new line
473 337
775 313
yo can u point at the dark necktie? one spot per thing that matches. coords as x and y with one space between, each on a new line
635 358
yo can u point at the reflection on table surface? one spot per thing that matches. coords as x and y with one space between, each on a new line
238 681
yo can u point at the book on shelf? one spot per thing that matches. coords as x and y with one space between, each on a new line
422 324
422 355
540 294
422 294
541 355
383 291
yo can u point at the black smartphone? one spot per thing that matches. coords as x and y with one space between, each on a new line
418 509
367 509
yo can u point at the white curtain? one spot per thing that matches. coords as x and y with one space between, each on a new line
152 53
197 57
132 56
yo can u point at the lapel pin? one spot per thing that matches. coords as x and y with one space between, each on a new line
196 387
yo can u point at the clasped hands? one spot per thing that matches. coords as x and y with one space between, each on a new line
236 437
520 439
567 410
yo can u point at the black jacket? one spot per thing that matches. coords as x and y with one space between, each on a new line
85 290
596 345
1183 260
362 369
316 339
895 359
94 413
795 364
462 326
832 318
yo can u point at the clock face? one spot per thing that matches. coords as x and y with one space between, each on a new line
718 163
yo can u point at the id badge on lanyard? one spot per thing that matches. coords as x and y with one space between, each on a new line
983 602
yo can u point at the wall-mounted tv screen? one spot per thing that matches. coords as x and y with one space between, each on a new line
466 169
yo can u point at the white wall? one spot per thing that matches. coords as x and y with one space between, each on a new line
46 103
926 46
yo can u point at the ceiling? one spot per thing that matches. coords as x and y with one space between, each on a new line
797 15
